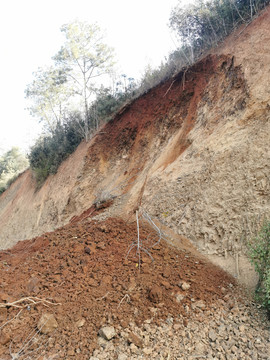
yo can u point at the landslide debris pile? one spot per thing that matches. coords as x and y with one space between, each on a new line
81 276
62 293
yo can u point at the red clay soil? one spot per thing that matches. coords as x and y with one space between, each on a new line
83 268
166 108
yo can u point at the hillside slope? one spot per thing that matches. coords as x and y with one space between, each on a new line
193 152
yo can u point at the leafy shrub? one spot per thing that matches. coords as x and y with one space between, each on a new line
49 151
199 26
203 24
108 103
12 164
259 252
53 148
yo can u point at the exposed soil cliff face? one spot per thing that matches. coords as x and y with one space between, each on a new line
194 152
26 212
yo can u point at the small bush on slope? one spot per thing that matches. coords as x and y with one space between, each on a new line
12 164
49 151
259 251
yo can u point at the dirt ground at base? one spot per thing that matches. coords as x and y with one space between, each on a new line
86 271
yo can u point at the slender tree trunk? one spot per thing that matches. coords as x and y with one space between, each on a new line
86 109
86 116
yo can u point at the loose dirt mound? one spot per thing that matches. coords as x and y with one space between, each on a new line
83 269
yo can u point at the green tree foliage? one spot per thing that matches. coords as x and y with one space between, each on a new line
202 24
199 26
83 58
260 257
12 163
109 100
49 94
71 83
68 96
50 150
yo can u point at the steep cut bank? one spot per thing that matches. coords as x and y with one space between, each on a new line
193 151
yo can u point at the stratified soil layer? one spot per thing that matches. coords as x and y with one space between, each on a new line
87 271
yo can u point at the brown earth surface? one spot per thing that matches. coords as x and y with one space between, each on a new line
85 270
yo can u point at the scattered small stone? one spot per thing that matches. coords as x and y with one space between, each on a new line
166 272
147 351
122 356
80 323
184 286
3 314
169 320
133 348
179 297
166 284
4 337
212 335
155 294
176 327
198 304
87 250
134 339
107 332
200 348
101 245
47 323
71 352
32 285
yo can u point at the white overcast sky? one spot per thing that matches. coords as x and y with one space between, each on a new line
30 36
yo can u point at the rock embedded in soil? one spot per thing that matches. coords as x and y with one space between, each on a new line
184 286
47 324
4 337
212 335
155 294
80 323
87 250
179 297
134 339
107 332
122 357
32 285
3 314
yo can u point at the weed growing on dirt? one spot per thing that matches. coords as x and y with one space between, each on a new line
259 252
139 244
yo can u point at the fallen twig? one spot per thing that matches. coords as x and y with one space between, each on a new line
138 244
124 297
169 88
103 297
31 301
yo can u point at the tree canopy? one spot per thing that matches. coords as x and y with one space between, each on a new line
49 94
71 83
84 57
203 23
12 163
